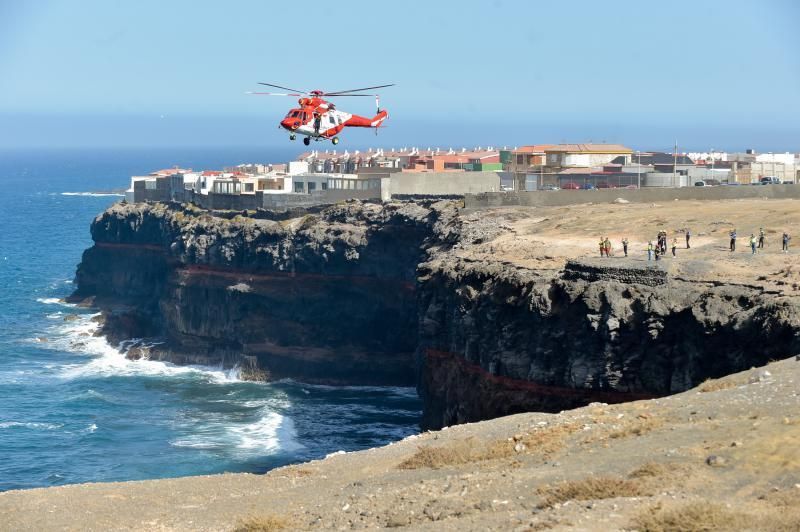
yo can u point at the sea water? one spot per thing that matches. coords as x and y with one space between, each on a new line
74 409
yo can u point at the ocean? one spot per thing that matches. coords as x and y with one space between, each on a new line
73 409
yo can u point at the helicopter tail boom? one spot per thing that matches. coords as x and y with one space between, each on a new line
362 121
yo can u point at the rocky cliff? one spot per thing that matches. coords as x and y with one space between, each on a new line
398 293
327 298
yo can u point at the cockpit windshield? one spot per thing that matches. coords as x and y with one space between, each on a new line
294 113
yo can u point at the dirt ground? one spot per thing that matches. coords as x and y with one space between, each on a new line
545 237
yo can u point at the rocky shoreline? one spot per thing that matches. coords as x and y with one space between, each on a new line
404 293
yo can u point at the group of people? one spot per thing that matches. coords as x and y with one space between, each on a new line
661 245
660 249
605 247
759 242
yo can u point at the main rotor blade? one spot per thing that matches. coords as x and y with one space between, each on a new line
274 93
357 90
341 95
284 88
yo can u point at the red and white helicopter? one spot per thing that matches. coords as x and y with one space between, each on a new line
318 119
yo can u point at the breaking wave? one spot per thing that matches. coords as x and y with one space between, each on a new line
270 433
29 425
78 336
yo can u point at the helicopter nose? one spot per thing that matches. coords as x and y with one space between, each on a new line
290 123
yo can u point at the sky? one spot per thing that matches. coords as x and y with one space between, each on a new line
707 74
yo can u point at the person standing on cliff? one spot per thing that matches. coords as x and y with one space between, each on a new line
753 243
650 250
733 240
688 236
602 246
761 237
607 245
785 241
625 246
674 246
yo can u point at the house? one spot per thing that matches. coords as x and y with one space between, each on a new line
525 165
584 155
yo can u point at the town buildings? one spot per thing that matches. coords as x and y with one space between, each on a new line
326 177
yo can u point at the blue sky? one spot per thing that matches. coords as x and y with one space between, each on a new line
111 73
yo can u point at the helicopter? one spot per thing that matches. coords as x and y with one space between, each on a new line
319 119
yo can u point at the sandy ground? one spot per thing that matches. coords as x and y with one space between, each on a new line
728 456
725 456
545 237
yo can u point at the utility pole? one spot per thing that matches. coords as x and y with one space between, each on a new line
712 163
639 170
675 164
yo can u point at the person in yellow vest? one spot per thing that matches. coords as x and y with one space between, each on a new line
602 246
607 245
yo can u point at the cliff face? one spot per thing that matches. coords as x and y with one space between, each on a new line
325 298
503 340
390 294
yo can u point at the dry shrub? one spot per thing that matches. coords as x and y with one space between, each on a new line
543 441
637 427
459 452
650 470
713 385
697 515
263 523
299 472
589 489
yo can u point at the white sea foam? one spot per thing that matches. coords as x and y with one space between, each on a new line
106 360
38 426
269 434
401 391
93 194
54 301
264 431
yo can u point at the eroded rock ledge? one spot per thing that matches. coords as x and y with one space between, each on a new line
391 294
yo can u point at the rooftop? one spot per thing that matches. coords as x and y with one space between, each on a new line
589 148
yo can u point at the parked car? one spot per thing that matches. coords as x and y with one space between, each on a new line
570 186
699 183
605 185
588 186
550 187
632 187
770 180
